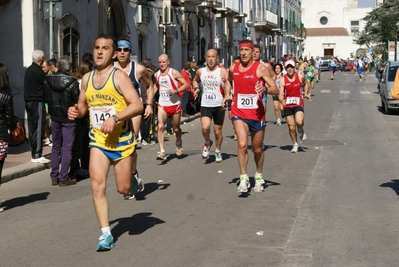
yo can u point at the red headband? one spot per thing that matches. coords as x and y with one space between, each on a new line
248 45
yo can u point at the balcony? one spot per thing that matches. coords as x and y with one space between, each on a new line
265 18
191 2
211 3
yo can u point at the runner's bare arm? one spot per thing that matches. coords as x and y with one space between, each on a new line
144 75
179 78
196 81
224 73
271 88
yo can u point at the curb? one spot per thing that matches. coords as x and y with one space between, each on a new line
28 168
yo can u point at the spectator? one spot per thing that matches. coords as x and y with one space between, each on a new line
46 140
185 73
378 73
34 105
80 148
62 92
52 63
147 123
7 121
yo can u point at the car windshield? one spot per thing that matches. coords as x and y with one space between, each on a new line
392 73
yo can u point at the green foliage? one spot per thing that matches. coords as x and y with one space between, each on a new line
380 26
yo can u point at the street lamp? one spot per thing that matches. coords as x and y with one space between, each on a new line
249 25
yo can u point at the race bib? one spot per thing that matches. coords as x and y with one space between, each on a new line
309 73
247 101
292 100
99 114
210 96
164 95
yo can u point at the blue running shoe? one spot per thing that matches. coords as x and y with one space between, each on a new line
106 242
133 190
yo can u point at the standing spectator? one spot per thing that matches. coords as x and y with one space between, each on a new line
147 122
62 92
80 148
7 121
47 122
185 73
378 73
193 70
34 105
52 63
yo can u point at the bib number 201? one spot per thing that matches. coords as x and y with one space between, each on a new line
247 101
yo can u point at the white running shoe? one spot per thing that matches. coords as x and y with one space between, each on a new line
40 160
218 156
161 155
259 183
244 184
206 150
278 122
302 134
294 148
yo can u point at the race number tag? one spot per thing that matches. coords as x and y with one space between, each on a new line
247 101
210 96
99 114
164 95
292 100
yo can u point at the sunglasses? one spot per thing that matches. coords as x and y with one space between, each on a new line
119 49
289 66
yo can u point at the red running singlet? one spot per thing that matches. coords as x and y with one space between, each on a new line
293 92
247 104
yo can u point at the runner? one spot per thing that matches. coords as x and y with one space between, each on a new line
136 73
292 100
214 81
169 104
110 96
276 102
318 63
247 111
310 75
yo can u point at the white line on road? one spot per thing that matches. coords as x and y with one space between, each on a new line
344 92
325 91
365 92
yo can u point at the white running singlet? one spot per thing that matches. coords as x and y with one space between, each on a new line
165 83
212 88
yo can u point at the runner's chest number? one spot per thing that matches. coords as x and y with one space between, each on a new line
99 114
247 101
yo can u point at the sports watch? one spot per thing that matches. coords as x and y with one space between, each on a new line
116 119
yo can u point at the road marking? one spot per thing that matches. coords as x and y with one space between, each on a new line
344 92
325 91
365 92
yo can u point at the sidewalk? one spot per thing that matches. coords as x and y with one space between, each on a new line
17 163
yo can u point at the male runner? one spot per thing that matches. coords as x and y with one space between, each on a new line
318 63
110 96
292 100
169 104
247 111
214 80
136 73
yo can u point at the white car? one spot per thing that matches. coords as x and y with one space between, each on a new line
388 104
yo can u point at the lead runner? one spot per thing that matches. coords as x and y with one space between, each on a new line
248 112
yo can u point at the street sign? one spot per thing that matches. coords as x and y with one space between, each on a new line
57 10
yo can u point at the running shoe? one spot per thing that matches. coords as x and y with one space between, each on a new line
179 149
244 184
206 150
161 155
294 148
218 156
106 242
259 183
278 122
133 189
140 183
302 134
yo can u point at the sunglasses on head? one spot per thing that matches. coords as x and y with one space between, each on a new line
121 49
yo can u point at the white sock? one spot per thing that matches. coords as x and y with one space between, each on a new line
258 174
106 230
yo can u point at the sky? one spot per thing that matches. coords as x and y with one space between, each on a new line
365 3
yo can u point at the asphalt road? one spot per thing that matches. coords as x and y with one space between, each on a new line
335 203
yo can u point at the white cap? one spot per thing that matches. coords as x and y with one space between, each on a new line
289 62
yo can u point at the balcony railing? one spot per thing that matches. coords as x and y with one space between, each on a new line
265 17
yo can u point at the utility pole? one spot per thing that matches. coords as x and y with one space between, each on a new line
52 10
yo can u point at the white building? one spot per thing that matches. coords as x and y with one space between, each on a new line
332 26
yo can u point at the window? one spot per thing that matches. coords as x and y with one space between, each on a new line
355 28
323 20
70 45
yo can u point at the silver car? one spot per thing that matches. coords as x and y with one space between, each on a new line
388 104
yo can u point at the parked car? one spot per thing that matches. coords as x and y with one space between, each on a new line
325 62
388 104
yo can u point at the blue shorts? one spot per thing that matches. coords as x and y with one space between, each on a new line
332 68
360 70
116 155
264 98
253 125
318 68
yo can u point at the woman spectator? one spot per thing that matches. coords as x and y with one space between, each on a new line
7 120
278 68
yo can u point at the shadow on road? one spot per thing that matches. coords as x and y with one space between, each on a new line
135 225
150 188
21 201
301 148
394 185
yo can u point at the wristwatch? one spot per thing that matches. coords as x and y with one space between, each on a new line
116 119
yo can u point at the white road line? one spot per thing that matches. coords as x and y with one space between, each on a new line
325 91
344 92
365 92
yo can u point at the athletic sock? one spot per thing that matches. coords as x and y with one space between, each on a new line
106 230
